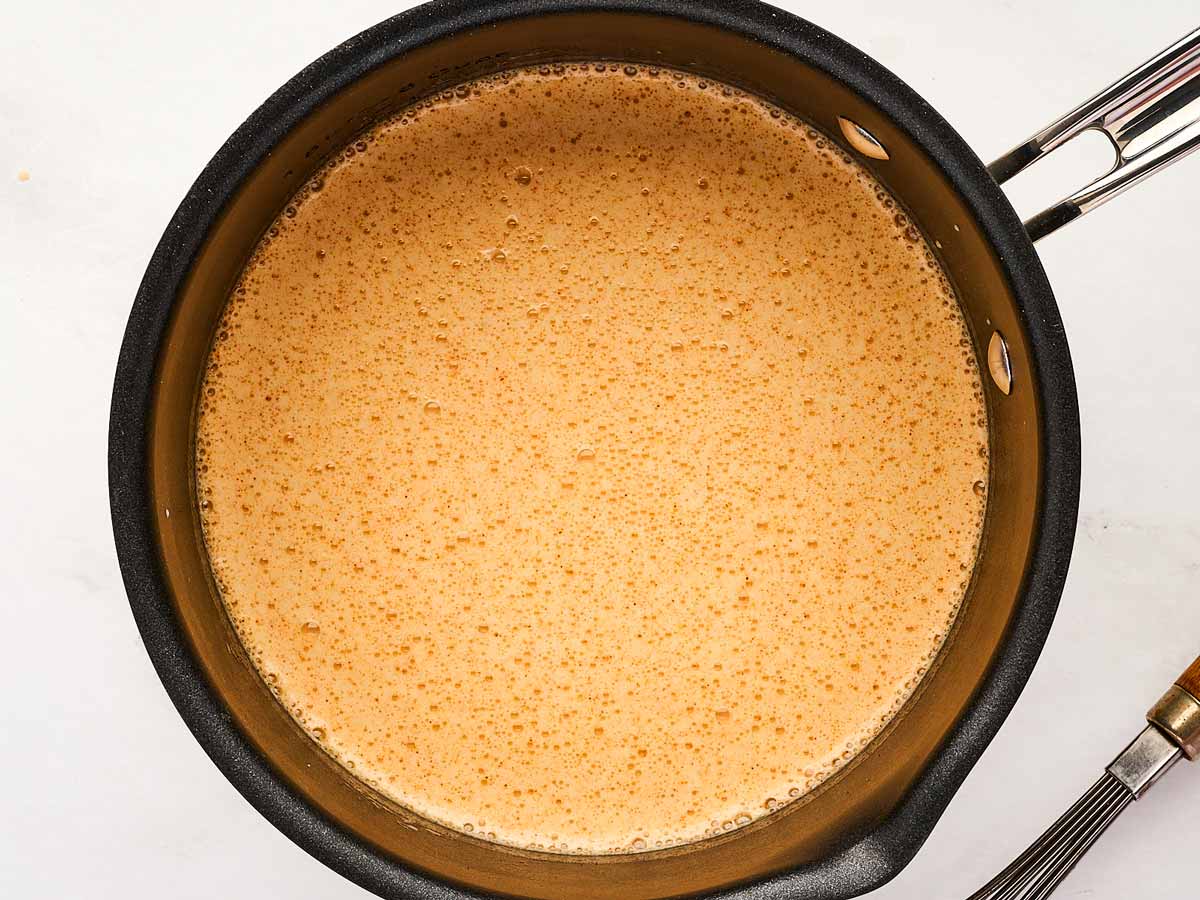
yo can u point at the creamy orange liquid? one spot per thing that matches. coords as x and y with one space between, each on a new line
592 460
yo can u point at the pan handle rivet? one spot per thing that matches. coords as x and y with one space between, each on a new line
862 140
999 364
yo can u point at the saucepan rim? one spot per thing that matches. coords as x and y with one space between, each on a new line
875 857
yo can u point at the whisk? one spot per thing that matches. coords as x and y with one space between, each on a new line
1173 732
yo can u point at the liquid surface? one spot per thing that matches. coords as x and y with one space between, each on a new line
592 460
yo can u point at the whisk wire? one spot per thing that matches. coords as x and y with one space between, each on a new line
1049 859
1080 845
1016 876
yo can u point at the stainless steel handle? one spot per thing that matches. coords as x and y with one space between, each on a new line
1152 117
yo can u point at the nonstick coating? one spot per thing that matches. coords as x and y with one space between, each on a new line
933 172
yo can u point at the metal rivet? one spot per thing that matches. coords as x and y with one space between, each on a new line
862 140
999 364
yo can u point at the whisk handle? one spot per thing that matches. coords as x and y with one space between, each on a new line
1178 711
1190 679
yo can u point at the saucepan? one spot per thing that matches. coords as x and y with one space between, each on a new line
859 828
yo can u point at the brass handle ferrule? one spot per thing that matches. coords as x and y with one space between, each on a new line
1178 714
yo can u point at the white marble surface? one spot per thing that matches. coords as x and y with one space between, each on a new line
113 108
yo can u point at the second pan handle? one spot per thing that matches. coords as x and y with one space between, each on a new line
1152 117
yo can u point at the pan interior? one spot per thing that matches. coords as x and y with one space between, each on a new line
862 794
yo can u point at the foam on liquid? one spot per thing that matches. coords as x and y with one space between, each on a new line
592 458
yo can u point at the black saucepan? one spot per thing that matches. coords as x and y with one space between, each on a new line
859 828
